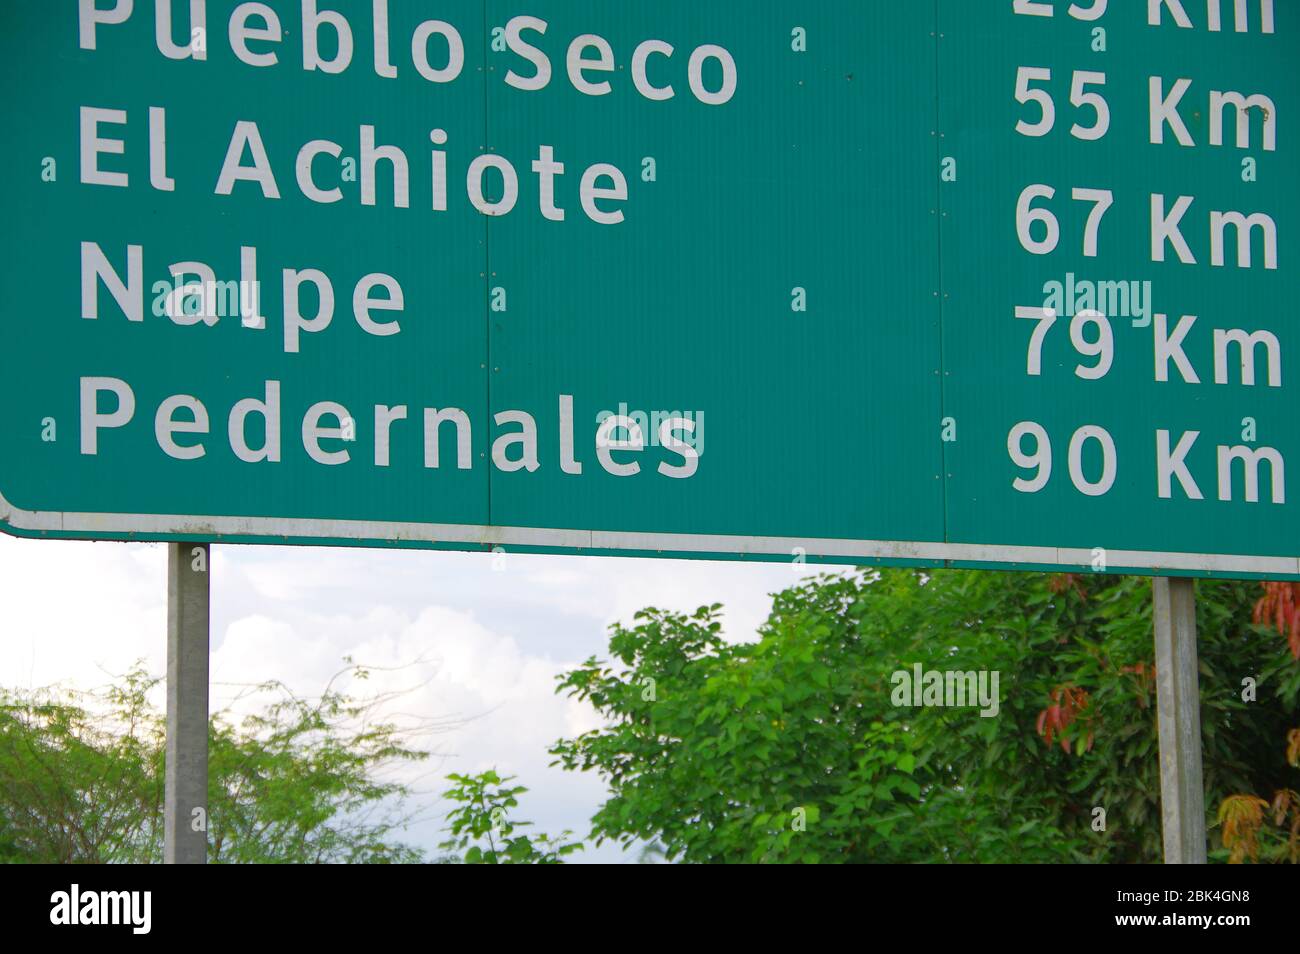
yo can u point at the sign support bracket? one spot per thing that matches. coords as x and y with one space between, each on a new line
1178 704
185 798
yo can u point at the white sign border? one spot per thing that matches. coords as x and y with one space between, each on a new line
146 526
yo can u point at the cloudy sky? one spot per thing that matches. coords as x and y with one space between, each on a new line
478 637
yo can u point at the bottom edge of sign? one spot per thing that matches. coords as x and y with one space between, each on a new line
272 530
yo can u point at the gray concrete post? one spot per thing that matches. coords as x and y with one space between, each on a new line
185 798
1182 788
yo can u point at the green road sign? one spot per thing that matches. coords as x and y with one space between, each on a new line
973 282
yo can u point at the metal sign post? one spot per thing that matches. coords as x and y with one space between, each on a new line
1182 789
185 807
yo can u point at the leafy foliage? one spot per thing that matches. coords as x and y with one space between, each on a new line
1280 606
1241 817
790 749
1255 830
1247 834
81 776
300 780
481 826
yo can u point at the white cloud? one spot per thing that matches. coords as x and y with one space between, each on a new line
80 612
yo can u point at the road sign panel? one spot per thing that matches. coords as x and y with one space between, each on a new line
972 283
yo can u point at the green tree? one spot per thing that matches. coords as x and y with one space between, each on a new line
791 748
301 780
80 775
481 826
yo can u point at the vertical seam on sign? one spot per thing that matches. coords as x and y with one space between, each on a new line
486 290
938 226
